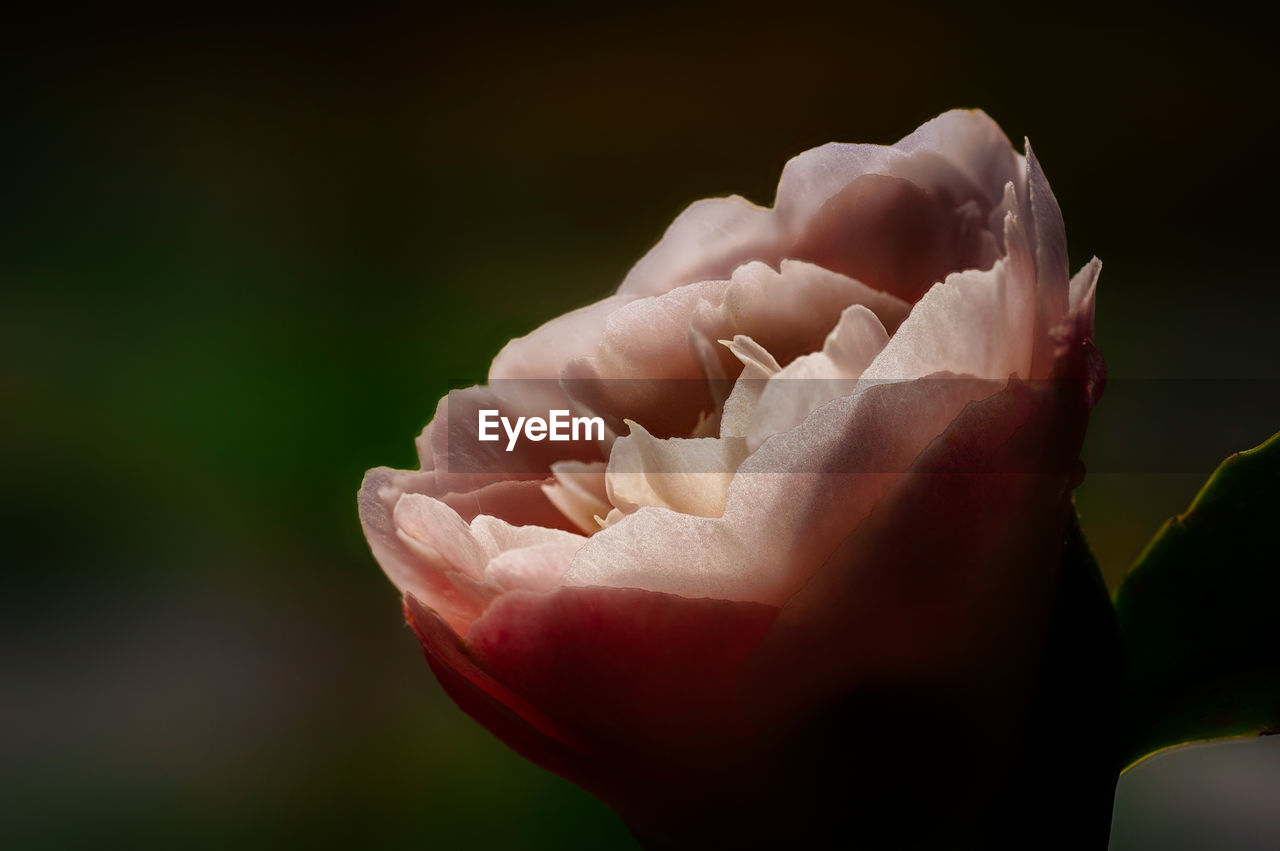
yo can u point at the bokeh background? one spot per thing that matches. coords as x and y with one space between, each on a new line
244 251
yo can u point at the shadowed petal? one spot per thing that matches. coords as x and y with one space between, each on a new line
905 215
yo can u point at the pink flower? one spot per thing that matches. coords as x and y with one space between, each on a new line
827 516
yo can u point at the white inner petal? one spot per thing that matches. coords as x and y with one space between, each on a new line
692 475
579 492
757 367
688 475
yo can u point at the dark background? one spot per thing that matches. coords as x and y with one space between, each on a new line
243 252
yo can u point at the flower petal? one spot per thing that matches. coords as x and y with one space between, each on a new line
688 475
532 568
631 671
1050 243
972 142
541 353
790 311
915 211
405 565
520 502
706 242
787 507
934 611
502 711
439 537
498 536
896 235
976 323
993 491
579 493
757 367
1082 291
647 369
810 381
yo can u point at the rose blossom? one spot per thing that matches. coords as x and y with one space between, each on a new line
819 543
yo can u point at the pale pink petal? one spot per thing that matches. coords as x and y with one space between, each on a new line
439 537
1083 290
1050 243
789 311
705 242
403 564
972 142
895 235
497 536
851 346
520 502
459 567
648 370
645 366
648 338
756 360
976 323
1046 237
903 215
541 353
532 568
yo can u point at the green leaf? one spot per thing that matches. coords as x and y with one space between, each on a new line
1200 615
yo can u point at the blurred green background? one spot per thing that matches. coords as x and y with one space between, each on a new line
243 252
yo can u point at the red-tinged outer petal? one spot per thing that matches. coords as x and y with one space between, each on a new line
634 672
1001 471
893 603
628 693
501 711
933 616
